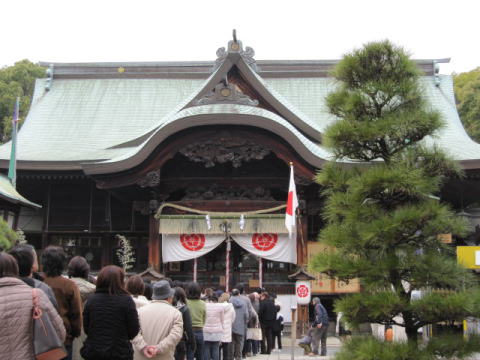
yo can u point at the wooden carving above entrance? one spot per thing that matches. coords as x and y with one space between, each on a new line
211 145
223 149
218 192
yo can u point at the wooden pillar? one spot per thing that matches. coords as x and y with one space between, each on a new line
154 245
302 322
302 240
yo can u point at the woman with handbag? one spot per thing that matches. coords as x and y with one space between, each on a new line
254 333
16 308
110 318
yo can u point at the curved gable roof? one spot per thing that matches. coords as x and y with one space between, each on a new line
97 117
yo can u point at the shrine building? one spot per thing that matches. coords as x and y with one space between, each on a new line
196 153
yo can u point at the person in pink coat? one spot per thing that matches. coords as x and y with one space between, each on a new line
16 307
213 329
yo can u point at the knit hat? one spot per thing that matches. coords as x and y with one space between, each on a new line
162 290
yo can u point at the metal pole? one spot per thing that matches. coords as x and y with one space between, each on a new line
293 331
260 273
195 270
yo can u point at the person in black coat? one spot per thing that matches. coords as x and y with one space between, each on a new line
110 319
267 316
187 343
277 329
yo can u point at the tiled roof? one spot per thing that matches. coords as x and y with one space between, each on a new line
10 194
106 120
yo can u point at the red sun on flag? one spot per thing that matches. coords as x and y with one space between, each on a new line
264 242
192 242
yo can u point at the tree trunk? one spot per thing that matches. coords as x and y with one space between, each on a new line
412 334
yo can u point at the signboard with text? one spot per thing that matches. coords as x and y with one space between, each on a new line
324 284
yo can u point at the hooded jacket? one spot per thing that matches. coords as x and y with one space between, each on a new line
239 326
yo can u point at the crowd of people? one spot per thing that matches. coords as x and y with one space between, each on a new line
112 317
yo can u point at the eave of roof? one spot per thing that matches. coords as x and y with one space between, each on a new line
10 194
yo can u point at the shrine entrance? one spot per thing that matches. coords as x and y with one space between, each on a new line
244 269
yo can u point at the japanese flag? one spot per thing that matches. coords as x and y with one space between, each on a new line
292 205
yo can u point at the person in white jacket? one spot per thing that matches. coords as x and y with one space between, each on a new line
161 326
228 319
213 329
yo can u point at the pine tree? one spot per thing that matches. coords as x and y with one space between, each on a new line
382 214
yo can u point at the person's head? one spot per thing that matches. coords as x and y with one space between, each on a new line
112 278
53 261
179 296
23 254
163 291
212 299
177 283
316 300
264 296
78 268
240 288
148 289
235 292
135 285
224 297
193 291
277 307
208 292
8 265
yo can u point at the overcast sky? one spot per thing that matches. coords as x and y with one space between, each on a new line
164 30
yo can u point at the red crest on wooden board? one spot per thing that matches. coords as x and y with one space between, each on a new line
264 242
192 242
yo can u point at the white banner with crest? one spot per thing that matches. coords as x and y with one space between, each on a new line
275 247
181 247
270 246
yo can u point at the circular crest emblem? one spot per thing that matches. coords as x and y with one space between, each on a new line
302 291
264 242
192 242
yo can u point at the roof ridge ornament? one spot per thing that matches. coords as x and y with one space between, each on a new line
235 47
226 93
49 73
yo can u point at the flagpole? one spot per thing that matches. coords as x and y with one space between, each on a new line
12 167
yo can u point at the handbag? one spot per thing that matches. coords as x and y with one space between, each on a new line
47 345
254 333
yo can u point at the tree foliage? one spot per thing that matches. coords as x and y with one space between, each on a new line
467 93
8 237
441 347
16 80
382 217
